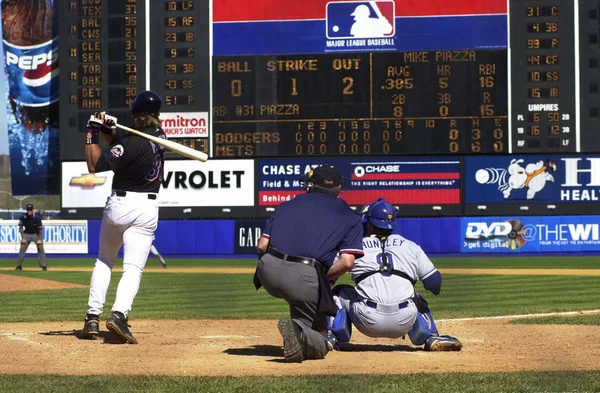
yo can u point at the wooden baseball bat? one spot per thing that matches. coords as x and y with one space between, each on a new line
173 146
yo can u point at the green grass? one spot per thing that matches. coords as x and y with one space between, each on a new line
152 262
516 262
439 383
520 262
593 319
233 296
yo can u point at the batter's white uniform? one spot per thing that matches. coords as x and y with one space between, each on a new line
381 305
128 221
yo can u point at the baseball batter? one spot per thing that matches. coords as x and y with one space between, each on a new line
131 213
384 302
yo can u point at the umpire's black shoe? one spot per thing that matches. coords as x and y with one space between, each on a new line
117 323
19 268
292 350
44 268
91 327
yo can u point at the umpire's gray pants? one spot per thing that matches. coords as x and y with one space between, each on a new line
40 250
297 284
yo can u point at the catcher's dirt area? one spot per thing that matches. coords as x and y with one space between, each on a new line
243 348
253 347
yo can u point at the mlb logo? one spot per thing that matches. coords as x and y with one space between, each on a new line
360 19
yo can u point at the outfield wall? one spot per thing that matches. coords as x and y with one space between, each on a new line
466 235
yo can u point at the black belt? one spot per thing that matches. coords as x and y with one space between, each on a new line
291 258
400 306
124 193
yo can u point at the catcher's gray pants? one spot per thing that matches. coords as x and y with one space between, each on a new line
297 284
377 320
40 250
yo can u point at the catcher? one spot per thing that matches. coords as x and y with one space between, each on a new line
384 302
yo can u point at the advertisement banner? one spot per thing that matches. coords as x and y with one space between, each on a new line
30 48
82 189
247 233
319 26
186 183
531 179
60 237
401 181
185 125
530 234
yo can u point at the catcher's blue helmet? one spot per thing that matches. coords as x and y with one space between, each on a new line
380 213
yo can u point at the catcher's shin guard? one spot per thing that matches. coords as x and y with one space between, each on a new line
341 326
423 328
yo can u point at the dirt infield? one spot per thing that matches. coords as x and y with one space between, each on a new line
16 283
253 347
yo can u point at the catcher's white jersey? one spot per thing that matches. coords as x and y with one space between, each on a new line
403 255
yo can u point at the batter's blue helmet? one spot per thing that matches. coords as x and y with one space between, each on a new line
380 213
147 102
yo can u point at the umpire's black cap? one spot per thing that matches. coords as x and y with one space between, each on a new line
324 176
147 102
29 206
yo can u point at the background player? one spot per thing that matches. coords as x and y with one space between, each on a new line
297 249
131 214
30 226
155 252
384 302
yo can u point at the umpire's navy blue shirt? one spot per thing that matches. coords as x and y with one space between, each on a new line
316 225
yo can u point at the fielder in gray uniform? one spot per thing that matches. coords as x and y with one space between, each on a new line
30 226
384 302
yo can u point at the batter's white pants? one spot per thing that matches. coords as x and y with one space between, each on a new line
128 221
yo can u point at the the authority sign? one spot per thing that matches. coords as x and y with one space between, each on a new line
60 237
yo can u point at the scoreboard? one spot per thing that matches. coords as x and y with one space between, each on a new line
111 50
539 96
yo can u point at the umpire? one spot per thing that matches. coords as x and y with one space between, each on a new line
30 226
297 252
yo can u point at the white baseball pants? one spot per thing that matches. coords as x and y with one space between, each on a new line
128 221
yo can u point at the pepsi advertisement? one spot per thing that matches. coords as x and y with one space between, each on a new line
401 181
530 234
532 179
30 49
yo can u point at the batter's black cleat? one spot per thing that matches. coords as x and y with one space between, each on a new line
44 269
442 343
117 323
292 350
91 327
19 268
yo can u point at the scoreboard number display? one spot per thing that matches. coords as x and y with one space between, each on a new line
435 102
112 50
541 95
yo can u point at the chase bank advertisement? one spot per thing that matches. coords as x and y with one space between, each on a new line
530 234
